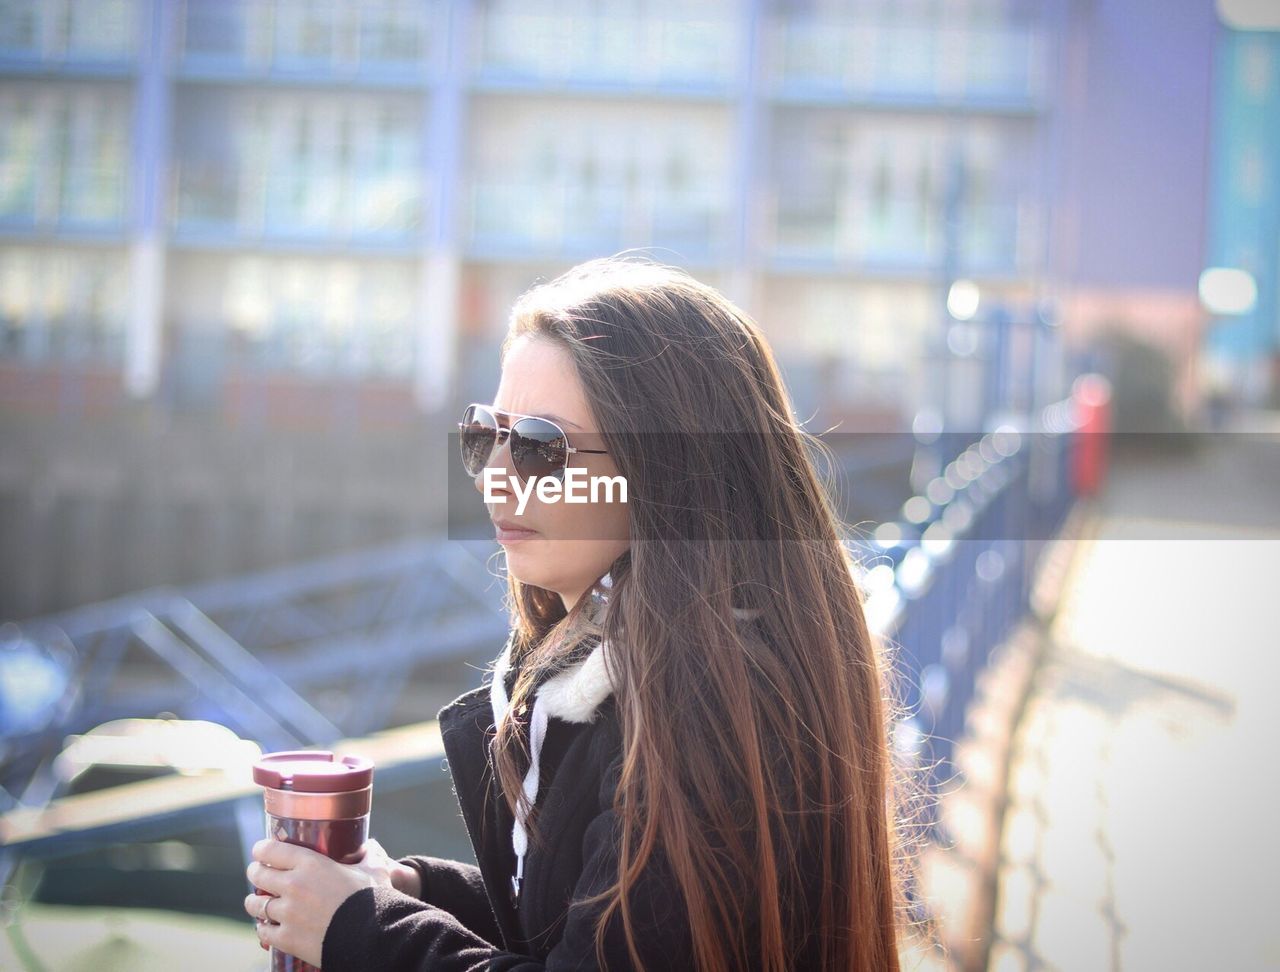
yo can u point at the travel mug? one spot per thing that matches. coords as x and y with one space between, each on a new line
318 800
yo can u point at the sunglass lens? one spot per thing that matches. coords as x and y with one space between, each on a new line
476 437
537 449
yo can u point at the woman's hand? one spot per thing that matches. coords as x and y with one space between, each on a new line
306 888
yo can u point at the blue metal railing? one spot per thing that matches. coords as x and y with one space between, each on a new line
946 585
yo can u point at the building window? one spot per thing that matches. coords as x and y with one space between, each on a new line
62 305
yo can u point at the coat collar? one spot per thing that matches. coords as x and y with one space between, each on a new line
574 694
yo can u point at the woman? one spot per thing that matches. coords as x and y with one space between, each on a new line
680 759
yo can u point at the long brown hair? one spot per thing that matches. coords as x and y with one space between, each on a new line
747 746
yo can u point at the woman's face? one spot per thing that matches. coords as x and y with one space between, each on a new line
572 544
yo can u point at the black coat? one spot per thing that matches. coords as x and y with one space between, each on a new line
466 919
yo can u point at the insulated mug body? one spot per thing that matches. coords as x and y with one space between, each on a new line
320 801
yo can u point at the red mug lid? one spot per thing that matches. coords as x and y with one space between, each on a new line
313 771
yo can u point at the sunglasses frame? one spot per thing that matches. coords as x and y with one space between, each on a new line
504 433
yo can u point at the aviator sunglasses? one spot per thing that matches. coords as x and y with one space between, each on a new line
539 447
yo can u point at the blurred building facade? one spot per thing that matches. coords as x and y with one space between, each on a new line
1244 196
226 204
1167 166
253 251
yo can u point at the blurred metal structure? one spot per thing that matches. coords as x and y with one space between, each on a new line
254 653
152 810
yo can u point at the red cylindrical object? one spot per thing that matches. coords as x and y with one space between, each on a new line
319 801
1092 396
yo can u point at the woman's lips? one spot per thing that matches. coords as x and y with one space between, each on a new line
511 534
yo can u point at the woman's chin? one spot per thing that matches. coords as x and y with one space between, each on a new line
526 561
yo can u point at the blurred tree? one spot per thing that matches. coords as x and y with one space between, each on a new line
1142 376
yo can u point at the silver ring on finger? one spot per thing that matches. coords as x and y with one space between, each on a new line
266 909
